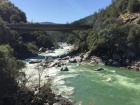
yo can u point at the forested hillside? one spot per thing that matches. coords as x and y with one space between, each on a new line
116 30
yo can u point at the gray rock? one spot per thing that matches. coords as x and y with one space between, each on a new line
66 58
64 68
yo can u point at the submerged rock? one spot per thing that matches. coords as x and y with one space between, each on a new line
64 68
99 69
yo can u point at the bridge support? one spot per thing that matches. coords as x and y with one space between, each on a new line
73 33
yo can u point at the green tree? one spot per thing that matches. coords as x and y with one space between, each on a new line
15 18
43 40
134 39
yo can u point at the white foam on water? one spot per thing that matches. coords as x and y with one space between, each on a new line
64 90
59 52
32 73
108 79
126 82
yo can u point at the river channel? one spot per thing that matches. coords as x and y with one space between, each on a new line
85 86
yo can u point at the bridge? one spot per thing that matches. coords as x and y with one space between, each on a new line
68 28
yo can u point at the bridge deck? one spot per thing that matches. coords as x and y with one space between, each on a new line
47 27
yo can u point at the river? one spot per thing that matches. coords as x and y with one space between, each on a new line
85 86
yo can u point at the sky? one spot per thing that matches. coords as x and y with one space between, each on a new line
59 11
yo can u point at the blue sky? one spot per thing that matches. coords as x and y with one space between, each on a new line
59 11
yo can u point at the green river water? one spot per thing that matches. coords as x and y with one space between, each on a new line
113 86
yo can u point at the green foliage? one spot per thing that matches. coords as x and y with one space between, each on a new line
83 46
109 32
15 18
45 41
22 97
42 39
133 39
9 69
70 39
112 11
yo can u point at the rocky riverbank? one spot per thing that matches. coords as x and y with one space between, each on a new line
38 72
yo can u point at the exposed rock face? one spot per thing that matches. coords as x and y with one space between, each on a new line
130 18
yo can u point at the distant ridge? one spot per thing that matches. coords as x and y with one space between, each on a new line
48 23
